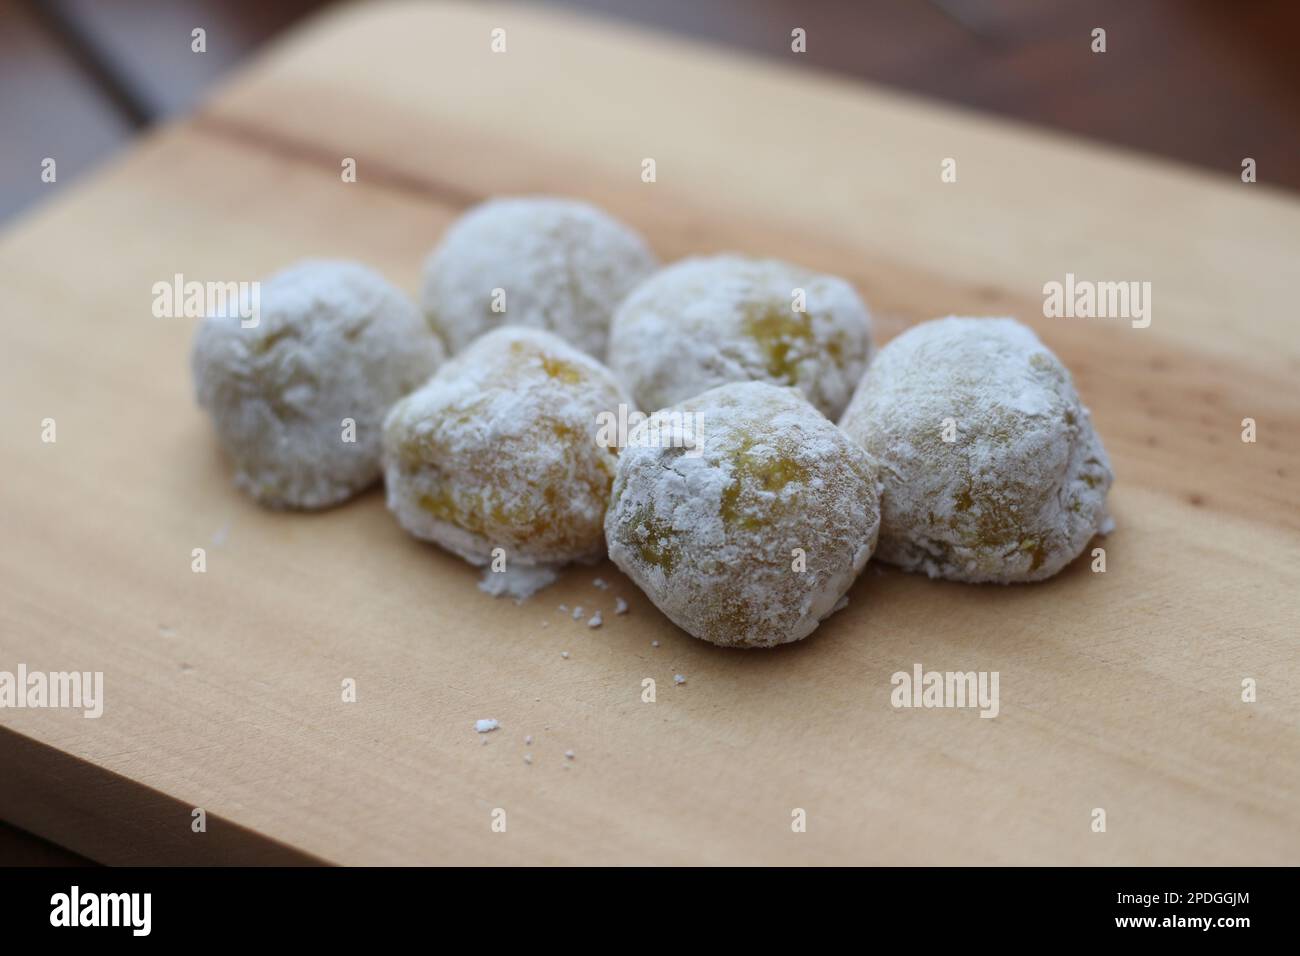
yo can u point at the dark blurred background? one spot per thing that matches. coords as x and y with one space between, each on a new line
1206 82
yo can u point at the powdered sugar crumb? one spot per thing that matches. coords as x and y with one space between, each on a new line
519 581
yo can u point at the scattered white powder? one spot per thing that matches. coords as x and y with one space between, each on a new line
577 613
485 725
563 265
519 581
654 643
596 620
528 758
564 654
569 754
563 609
1022 488
600 583
620 606
528 741
679 679
705 322
711 538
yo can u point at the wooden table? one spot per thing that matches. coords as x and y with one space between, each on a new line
1120 690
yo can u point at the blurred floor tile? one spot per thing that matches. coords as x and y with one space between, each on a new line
48 108
1200 81
150 41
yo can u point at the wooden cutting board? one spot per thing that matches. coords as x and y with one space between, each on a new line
1119 690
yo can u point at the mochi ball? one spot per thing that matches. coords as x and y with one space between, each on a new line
298 397
991 467
704 322
548 263
503 448
743 514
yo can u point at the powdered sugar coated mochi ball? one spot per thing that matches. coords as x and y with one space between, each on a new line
748 530
1019 488
333 343
500 449
705 322
548 263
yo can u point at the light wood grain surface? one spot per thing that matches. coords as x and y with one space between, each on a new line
1119 690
